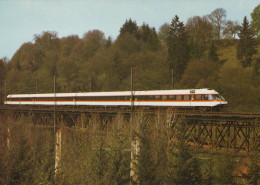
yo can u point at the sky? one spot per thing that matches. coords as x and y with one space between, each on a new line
21 20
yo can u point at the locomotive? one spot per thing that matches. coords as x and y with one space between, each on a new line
151 98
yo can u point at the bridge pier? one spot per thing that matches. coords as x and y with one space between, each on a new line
58 145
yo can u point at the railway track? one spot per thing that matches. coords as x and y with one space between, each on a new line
128 110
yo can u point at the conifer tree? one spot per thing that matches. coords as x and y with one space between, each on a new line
178 48
119 159
182 167
212 55
129 27
246 44
145 164
98 166
149 36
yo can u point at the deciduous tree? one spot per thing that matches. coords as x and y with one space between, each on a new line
163 32
218 20
231 29
92 42
199 30
255 22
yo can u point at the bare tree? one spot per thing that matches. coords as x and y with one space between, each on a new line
163 32
231 29
218 20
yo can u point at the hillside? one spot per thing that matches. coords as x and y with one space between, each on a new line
95 63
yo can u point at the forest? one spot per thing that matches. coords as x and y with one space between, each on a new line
206 52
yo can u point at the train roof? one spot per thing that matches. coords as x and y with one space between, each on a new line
119 93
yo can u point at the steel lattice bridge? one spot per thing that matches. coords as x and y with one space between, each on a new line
239 131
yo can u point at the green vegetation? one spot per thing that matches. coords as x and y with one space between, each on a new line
102 152
207 52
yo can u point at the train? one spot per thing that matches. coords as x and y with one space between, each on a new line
152 98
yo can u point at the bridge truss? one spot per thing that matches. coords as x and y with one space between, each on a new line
232 130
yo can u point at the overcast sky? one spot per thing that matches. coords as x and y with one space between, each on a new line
20 20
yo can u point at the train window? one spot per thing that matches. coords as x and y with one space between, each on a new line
141 97
178 97
215 97
186 97
172 97
204 97
164 97
158 97
198 97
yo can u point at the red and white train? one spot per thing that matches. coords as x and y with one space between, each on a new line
162 98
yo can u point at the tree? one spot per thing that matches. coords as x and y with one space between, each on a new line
149 36
225 169
21 156
252 176
246 44
178 48
119 157
231 29
182 167
145 164
212 55
92 42
67 45
218 20
98 165
236 83
199 30
209 175
2 78
255 22
109 42
46 40
45 48
163 32
67 75
129 27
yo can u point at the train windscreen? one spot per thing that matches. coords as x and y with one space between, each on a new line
215 97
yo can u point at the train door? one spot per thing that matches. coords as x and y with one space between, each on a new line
191 99
74 101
